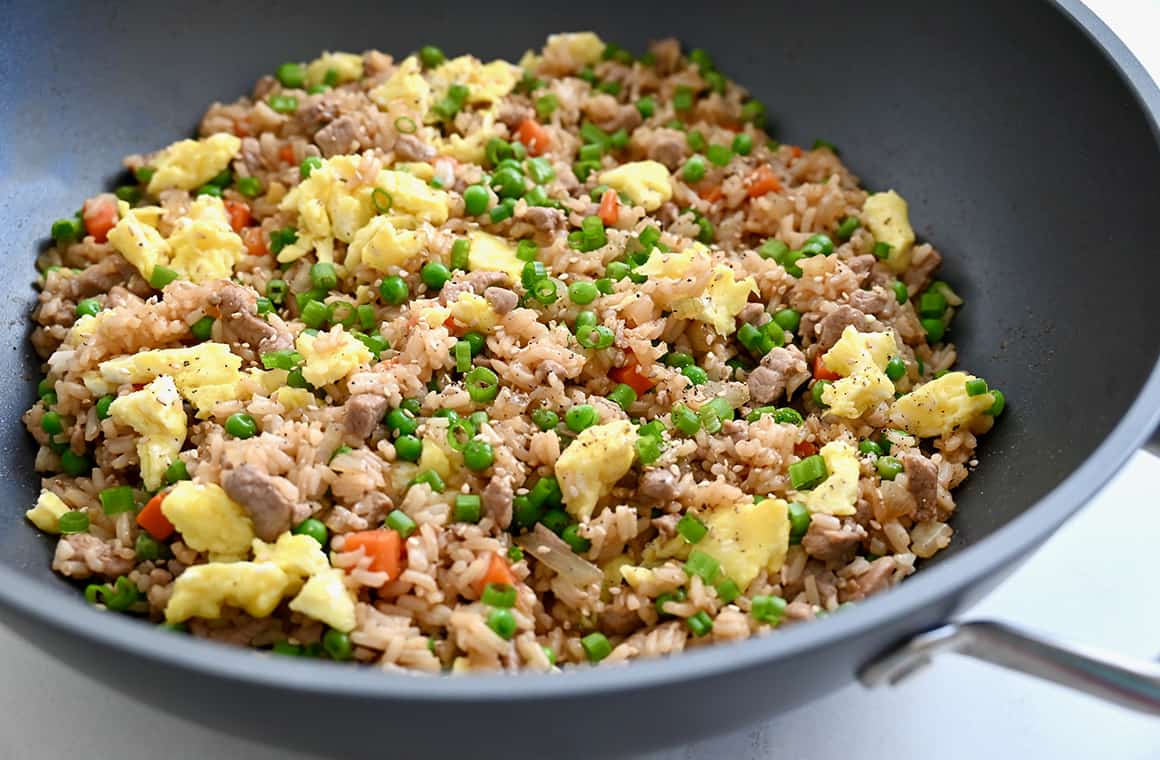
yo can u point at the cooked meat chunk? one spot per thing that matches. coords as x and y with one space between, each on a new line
870 301
242 328
667 146
411 148
832 325
829 540
318 111
268 499
501 299
545 219
100 278
363 412
667 53
511 112
497 500
342 136
922 482
876 578
659 484
782 370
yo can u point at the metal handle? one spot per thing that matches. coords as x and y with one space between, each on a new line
1153 444
1126 681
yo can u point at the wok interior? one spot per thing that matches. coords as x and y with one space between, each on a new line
1023 157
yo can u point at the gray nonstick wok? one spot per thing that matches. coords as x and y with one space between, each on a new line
1024 136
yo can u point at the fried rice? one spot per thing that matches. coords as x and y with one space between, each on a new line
444 365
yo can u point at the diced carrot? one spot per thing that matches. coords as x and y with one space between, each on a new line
498 571
631 376
712 193
241 129
609 208
796 150
450 324
805 449
153 521
821 372
763 181
384 547
239 214
100 216
534 137
255 241
287 154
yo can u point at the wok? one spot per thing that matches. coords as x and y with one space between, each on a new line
1024 136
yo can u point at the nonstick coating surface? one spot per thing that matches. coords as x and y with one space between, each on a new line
1026 158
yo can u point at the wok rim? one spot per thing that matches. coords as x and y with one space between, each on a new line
41 604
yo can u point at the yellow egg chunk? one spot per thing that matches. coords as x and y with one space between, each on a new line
157 415
647 183
411 196
746 538
591 465
136 238
435 458
47 512
202 590
474 312
189 164
204 374
334 69
940 406
486 82
405 88
582 48
838 493
674 265
295 398
724 298
861 360
209 520
493 254
329 357
325 598
381 245
435 316
888 219
298 556
203 245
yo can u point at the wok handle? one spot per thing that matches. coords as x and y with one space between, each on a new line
1152 445
1129 682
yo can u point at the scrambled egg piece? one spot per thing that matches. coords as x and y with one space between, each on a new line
204 374
723 299
647 183
474 312
861 360
435 316
326 598
157 415
329 357
636 576
486 82
84 328
838 493
747 537
381 245
136 238
297 556
204 246
347 67
674 265
202 590
294 398
333 203
188 164
582 48
47 512
887 217
493 254
406 88
472 148
434 457
209 520
592 464
940 406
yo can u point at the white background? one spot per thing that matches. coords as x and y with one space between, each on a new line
955 709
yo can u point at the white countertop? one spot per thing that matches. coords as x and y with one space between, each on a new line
958 707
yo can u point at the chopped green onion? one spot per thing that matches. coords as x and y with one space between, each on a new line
400 522
767 609
901 294
482 385
881 249
799 521
808 473
468 508
286 359
431 56
935 329
648 448
283 103
727 590
702 565
685 419
691 528
73 522
117 499
462 353
999 404
700 623
932 304
575 541
847 227
976 387
499 594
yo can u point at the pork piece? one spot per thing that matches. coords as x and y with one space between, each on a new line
781 371
363 411
497 500
829 540
241 326
268 499
831 327
922 482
